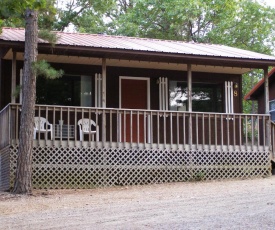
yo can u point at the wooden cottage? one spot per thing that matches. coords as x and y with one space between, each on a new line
133 111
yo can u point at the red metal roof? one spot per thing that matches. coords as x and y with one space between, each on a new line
140 44
254 90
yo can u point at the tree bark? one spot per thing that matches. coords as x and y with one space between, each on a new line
23 180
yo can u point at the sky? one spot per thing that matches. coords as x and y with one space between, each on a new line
269 2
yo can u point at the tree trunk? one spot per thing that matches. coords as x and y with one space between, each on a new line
23 180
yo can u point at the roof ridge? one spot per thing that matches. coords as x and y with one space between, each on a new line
114 36
135 38
120 36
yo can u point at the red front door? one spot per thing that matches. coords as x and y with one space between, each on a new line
133 96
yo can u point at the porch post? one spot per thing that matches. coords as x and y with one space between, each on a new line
21 82
189 95
189 86
103 100
266 94
104 82
13 77
266 90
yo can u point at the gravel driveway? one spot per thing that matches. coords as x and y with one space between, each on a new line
237 204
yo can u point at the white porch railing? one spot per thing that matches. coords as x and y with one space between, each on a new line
129 147
155 129
5 126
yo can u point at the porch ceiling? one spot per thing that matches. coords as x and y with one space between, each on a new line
131 63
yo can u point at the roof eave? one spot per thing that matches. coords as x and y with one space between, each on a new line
102 52
164 57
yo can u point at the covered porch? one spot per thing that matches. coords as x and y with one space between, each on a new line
168 146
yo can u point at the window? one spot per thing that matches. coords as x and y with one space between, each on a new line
86 91
68 90
272 109
205 97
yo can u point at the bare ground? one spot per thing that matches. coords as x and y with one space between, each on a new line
237 204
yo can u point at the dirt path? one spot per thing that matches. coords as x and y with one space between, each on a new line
243 204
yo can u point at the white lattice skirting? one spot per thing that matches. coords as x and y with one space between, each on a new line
59 168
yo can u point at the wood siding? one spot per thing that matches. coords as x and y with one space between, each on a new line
261 97
112 84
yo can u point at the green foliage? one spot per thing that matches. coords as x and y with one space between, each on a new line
17 91
10 8
48 36
91 23
248 82
251 28
47 15
198 175
239 23
12 12
43 68
87 12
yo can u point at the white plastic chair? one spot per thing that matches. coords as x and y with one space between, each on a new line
85 127
41 125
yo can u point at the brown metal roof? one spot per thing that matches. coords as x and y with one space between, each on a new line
139 44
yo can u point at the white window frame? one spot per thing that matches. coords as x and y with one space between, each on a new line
163 93
229 99
98 90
